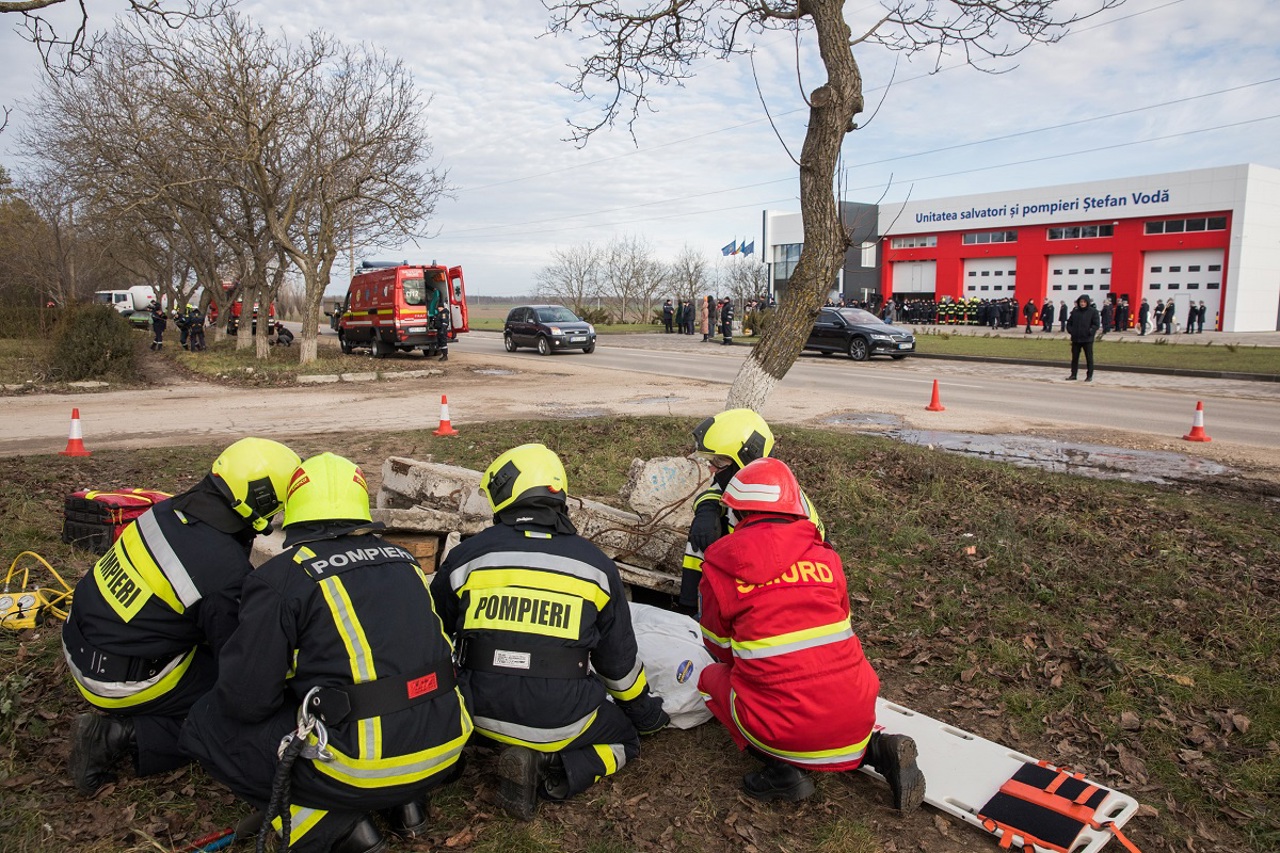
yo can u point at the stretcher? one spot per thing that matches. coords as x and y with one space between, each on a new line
1017 798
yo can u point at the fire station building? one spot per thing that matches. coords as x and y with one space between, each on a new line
1210 235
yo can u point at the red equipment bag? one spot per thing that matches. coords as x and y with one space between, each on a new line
94 520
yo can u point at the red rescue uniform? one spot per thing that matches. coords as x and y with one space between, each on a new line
792 680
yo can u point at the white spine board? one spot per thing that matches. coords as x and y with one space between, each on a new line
963 771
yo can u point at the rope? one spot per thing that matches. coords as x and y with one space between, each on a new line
281 793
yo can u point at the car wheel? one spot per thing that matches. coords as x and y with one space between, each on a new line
589 348
858 349
509 342
544 345
377 348
344 344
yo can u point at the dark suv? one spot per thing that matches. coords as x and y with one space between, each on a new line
858 333
550 328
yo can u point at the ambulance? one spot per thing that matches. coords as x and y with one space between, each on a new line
389 306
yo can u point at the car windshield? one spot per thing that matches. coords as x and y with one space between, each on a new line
556 314
857 315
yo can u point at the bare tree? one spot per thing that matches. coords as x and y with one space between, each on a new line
573 277
659 41
631 276
689 273
742 279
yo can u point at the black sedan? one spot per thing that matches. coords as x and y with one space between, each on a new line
859 333
549 328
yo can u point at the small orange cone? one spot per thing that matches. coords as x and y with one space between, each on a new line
75 441
935 405
1197 426
445 427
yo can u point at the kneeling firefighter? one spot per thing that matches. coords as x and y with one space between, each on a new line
532 604
728 442
147 623
338 644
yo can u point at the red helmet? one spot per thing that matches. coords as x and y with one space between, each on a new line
766 485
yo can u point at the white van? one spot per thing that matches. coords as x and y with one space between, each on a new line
133 303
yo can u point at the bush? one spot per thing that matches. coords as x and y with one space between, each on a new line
596 316
27 321
92 342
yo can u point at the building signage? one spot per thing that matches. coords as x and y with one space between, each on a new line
1080 204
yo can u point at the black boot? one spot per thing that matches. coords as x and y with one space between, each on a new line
520 772
778 780
409 820
361 838
97 745
894 758
444 356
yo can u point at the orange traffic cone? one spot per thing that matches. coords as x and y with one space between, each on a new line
75 441
1197 426
445 427
935 405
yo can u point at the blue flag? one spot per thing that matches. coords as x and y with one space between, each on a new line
731 249
749 248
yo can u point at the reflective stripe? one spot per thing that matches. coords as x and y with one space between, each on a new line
301 821
517 561
137 555
167 560
722 642
692 560
793 641
629 686
539 579
542 740
817 758
612 755
400 770
369 729
110 695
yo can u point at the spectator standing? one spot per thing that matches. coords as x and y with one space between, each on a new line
706 316
689 318
1200 315
668 315
1083 325
680 316
1144 316
1063 313
1158 316
1046 316
1108 315
726 321
1169 317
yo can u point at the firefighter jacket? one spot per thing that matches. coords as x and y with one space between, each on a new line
169 584
530 607
775 609
349 615
691 574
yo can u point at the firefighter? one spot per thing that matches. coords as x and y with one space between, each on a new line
440 321
728 441
147 623
340 624
791 683
531 604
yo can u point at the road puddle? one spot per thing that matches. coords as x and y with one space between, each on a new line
1090 460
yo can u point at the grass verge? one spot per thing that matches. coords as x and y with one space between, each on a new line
1131 632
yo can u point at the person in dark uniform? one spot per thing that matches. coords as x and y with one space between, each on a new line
689 316
147 623
728 441
339 626
726 321
1029 313
1083 326
668 314
440 321
531 604
1144 316
158 324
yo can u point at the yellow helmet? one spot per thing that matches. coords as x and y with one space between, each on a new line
327 488
529 470
739 434
252 475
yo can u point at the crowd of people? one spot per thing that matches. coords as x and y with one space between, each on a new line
335 686
711 316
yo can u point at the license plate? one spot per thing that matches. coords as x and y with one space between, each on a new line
578 339
905 346
417 329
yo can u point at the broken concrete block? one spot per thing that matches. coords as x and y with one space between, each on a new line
409 483
664 488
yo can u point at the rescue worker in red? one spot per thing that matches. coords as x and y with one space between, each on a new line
728 442
791 683
147 623
339 625
531 604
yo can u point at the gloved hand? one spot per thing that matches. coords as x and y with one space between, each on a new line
707 526
646 714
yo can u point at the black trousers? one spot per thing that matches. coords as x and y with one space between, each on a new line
1087 348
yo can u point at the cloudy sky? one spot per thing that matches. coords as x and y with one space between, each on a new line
1153 86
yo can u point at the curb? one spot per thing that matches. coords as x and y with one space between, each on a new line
1110 368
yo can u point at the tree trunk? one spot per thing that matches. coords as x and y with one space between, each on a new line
831 112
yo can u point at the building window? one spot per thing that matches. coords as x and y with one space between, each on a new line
1088 270
1157 269
999 272
868 255
1057 272
1175 269
1215 267
1056 287
984 287
1193 268
1077 232
1105 270
1177 226
785 258
1195 285
1173 285
979 237
1216 223
919 241
1088 287
1104 287
1213 285
973 273
1073 272
1154 286
986 273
